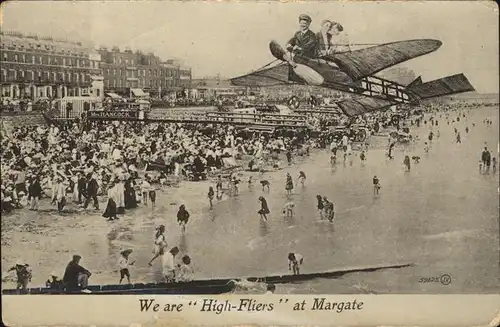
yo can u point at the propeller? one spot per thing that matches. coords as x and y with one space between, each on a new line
309 75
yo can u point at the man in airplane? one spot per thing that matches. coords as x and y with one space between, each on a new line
304 41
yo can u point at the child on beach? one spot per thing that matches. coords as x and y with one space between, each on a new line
264 210
329 209
265 183
321 206
407 163
294 261
210 195
250 182
185 271
288 184
289 209
235 181
302 177
160 243
182 217
152 196
376 185
124 264
362 157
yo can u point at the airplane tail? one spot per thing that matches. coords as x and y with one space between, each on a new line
440 87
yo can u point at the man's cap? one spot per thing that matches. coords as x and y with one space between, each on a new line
305 17
77 256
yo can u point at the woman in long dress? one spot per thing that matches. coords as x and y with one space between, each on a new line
130 194
160 243
111 209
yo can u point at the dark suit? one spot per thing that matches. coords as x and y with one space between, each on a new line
321 45
92 189
306 41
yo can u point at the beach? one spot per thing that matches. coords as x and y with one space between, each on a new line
406 222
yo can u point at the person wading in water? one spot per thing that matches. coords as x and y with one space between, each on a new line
264 210
182 217
160 243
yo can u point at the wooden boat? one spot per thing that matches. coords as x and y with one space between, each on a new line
209 286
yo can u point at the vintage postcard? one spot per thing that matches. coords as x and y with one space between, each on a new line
187 163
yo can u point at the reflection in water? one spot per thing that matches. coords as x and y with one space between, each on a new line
289 221
263 228
183 246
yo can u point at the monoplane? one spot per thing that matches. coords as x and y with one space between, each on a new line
354 72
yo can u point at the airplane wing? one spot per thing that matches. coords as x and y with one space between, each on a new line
366 62
440 87
358 105
271 76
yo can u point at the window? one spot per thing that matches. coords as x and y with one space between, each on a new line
5 56
107 71
24 58
40 60
98 92
16 58
76 77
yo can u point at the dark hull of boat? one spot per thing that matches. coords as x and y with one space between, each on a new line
210 286
194 287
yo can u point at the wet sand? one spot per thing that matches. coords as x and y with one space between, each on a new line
442 216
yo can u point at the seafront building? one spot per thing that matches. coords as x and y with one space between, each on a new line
34 67
137 74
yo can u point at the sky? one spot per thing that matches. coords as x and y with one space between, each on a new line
232 38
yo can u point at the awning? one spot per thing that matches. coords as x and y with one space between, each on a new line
113 95
138 92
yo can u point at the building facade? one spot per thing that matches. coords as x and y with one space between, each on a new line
211 88
34 67
126 70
